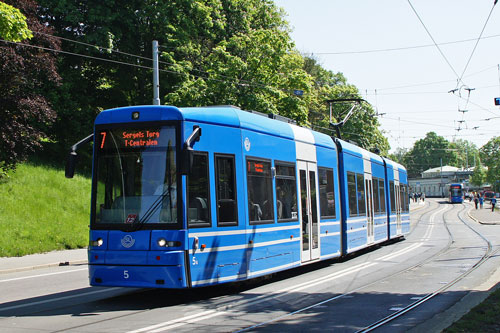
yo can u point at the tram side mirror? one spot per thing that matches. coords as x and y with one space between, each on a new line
71 164
73 157
187 156
187 153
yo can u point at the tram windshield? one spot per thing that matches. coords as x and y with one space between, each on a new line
456 191
136 177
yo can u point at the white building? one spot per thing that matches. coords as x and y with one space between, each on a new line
435 181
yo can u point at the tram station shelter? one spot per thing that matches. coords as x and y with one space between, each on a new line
434 182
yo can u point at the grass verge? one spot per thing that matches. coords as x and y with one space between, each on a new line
485 317
41 211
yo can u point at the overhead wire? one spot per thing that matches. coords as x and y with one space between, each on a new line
400 48
240 82
477 42
433 40
243 83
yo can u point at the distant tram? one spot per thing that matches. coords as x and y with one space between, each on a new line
456 193
191 197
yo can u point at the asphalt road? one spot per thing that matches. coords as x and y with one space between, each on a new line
445 258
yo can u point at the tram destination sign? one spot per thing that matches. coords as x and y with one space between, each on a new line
131 138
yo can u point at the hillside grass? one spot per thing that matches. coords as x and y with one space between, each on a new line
41 210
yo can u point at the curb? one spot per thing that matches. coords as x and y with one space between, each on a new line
29 268
479 221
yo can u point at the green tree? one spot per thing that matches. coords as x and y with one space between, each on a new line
28 75
490 156
399 155
428 153
362 127
466 151
236 52
13 26
478 177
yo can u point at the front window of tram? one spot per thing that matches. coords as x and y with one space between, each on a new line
136 176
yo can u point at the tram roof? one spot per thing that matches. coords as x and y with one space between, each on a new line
234 117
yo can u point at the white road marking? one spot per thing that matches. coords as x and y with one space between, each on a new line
57 299
42 275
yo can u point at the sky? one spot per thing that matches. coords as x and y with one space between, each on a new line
410 88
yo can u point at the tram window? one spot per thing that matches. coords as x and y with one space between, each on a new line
401 197
326 193
227 209
286 192
376 202
198 192
360 184
381 187
393 197
351 192
260 191
407 198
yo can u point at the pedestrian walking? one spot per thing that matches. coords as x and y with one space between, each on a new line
476 201
493 203
423 197
481 201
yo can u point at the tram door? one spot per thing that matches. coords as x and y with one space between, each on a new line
309 210
369 208
397 193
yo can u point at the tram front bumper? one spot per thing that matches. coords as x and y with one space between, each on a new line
142 269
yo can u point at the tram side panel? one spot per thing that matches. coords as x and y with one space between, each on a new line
405 201
379 201
330 203
397 199
216 222
353 201
391 201
271 201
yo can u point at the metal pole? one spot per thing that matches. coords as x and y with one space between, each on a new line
156 75
330 112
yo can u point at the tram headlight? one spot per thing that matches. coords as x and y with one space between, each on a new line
162 242
97 242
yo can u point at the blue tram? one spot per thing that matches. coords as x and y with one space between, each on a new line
188 197
456 194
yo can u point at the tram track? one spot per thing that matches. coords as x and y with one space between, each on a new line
402 311
234 308
361 288
489 252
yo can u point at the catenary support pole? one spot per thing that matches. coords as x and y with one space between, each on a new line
156 75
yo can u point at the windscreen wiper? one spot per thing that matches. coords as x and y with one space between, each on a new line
139 222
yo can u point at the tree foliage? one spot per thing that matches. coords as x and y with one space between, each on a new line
213 52
478 177
28 76
467 153
428 153
490 156
13 25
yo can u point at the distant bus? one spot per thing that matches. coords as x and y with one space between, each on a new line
456 193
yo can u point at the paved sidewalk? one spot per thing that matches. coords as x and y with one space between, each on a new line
485 215
43 260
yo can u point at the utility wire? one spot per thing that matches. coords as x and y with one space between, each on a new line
77 54
146 67
436 44
400 48
94 46
419 122
241 82
437 82
477 42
